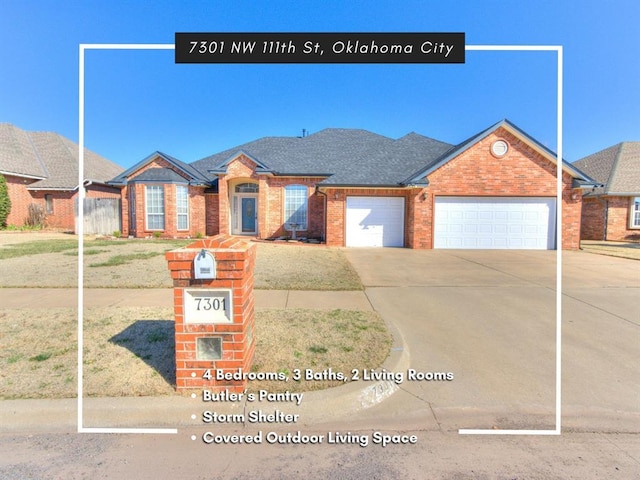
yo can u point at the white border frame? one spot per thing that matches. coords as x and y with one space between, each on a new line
81 194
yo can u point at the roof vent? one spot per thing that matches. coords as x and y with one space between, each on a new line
499 148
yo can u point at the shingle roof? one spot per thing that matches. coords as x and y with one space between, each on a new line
49 156
617 167
345 156
18 154
164 175
191 174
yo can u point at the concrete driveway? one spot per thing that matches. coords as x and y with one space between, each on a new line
489 317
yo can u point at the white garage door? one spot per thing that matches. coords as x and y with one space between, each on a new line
495 222
375 222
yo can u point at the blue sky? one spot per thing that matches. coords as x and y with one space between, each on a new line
141 101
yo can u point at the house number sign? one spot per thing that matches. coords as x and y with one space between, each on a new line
208 306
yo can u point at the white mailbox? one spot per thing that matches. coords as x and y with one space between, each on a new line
203 305
204 265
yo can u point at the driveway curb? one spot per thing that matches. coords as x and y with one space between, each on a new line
46 415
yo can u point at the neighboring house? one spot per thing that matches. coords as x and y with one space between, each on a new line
356 188
42 168
612 211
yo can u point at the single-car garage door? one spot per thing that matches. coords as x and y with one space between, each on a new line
495 222
375 222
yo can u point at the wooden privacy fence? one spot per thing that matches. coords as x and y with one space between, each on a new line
101 216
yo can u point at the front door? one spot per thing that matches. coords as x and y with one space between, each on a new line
244 213
248 222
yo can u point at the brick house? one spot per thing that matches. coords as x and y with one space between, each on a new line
350 187
41 168
612 211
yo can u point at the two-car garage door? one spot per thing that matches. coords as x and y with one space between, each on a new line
459 222
495 222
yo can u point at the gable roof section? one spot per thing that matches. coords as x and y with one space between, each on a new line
616 167
419 177
191 174
49 158
222 167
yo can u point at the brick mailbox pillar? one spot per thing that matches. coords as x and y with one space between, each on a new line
214 317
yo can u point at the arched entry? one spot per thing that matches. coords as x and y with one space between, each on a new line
244 208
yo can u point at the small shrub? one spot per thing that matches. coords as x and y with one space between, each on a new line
41 357
117 233
36 215
317 349
157 235
5 202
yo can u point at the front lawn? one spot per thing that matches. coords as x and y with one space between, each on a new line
130 351
141 264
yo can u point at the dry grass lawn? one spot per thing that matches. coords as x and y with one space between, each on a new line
130 351
52 261
300 267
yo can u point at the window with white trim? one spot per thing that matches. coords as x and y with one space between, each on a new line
295 207
182 207
154 195
247 188
635 212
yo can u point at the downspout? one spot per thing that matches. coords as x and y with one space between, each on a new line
606 218
324 217
605 204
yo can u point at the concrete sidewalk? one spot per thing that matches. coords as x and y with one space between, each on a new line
162 297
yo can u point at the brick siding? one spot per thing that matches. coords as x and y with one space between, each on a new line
616 210
20 199
593 213
522 172
197 206
618 219
62 215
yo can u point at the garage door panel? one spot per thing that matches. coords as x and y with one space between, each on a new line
375 222
495 222
484 229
